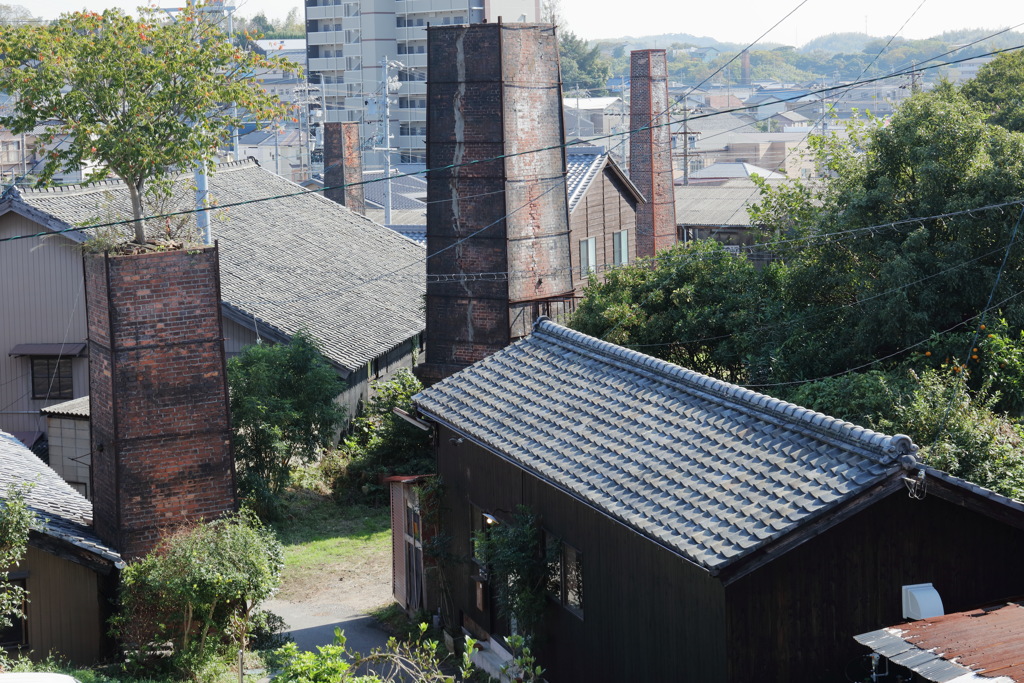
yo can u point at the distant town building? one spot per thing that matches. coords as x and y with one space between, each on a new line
347 42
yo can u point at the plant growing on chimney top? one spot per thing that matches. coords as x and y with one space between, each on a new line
142 99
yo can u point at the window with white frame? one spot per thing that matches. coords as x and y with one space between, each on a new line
620 247
588 256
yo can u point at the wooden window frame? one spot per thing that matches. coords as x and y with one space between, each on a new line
48 381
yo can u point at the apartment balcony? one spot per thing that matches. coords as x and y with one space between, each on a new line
331 12
409 116
413 61
325 38
431 6
327 64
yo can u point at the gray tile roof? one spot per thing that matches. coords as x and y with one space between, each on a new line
709 470
300 261
64 513
76 407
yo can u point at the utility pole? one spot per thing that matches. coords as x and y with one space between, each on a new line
390 84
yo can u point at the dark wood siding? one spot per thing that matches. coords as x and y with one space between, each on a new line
648 615
800 612
605 208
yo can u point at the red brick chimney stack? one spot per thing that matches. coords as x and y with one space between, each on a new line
494 91
343 165
161 435
650 151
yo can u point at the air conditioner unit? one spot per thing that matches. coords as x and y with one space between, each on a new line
921 601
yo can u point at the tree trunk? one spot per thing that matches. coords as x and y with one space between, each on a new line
135 191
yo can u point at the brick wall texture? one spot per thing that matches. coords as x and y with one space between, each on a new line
343 165
650 151
161 434
494 90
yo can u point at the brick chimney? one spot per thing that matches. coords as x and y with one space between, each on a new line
161 437
494 91
745 74
343 165
650 151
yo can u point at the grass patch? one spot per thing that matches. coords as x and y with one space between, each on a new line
332 552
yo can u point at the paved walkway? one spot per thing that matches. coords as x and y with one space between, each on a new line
312 625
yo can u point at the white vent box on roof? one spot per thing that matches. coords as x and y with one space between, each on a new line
921 601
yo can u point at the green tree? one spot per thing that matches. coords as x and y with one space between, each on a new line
16 520
382 443
998 87
583 66
17 15
142 98
197 591
698 305
282 410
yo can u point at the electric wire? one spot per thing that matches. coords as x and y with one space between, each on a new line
474 162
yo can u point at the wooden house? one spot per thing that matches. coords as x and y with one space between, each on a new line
602 205
69 573
289 260
708 533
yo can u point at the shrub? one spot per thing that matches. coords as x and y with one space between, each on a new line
282 410
381 443
196 592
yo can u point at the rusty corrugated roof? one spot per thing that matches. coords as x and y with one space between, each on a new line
981 644
989 640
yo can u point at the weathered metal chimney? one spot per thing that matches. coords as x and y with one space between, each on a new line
650 151
161 436
343 165
496 205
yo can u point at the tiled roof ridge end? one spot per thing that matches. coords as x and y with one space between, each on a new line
891 448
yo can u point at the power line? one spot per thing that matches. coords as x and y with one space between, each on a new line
474 162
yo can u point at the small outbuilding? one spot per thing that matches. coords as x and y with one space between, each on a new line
69 573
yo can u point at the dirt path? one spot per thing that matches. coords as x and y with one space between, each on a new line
361 582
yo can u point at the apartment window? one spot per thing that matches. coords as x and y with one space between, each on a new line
11 152
459 19
565 574
402 49
588 256
400 22
620 247
51 377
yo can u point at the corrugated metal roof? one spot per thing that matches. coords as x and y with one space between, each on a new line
64 513
709 469
76 407
983 645
716 203
300 261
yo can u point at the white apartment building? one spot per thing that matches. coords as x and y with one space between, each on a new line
348 40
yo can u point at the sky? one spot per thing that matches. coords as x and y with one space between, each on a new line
738 21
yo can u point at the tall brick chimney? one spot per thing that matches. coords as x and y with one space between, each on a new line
343 165
494 91
161 436
745 72
650 151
